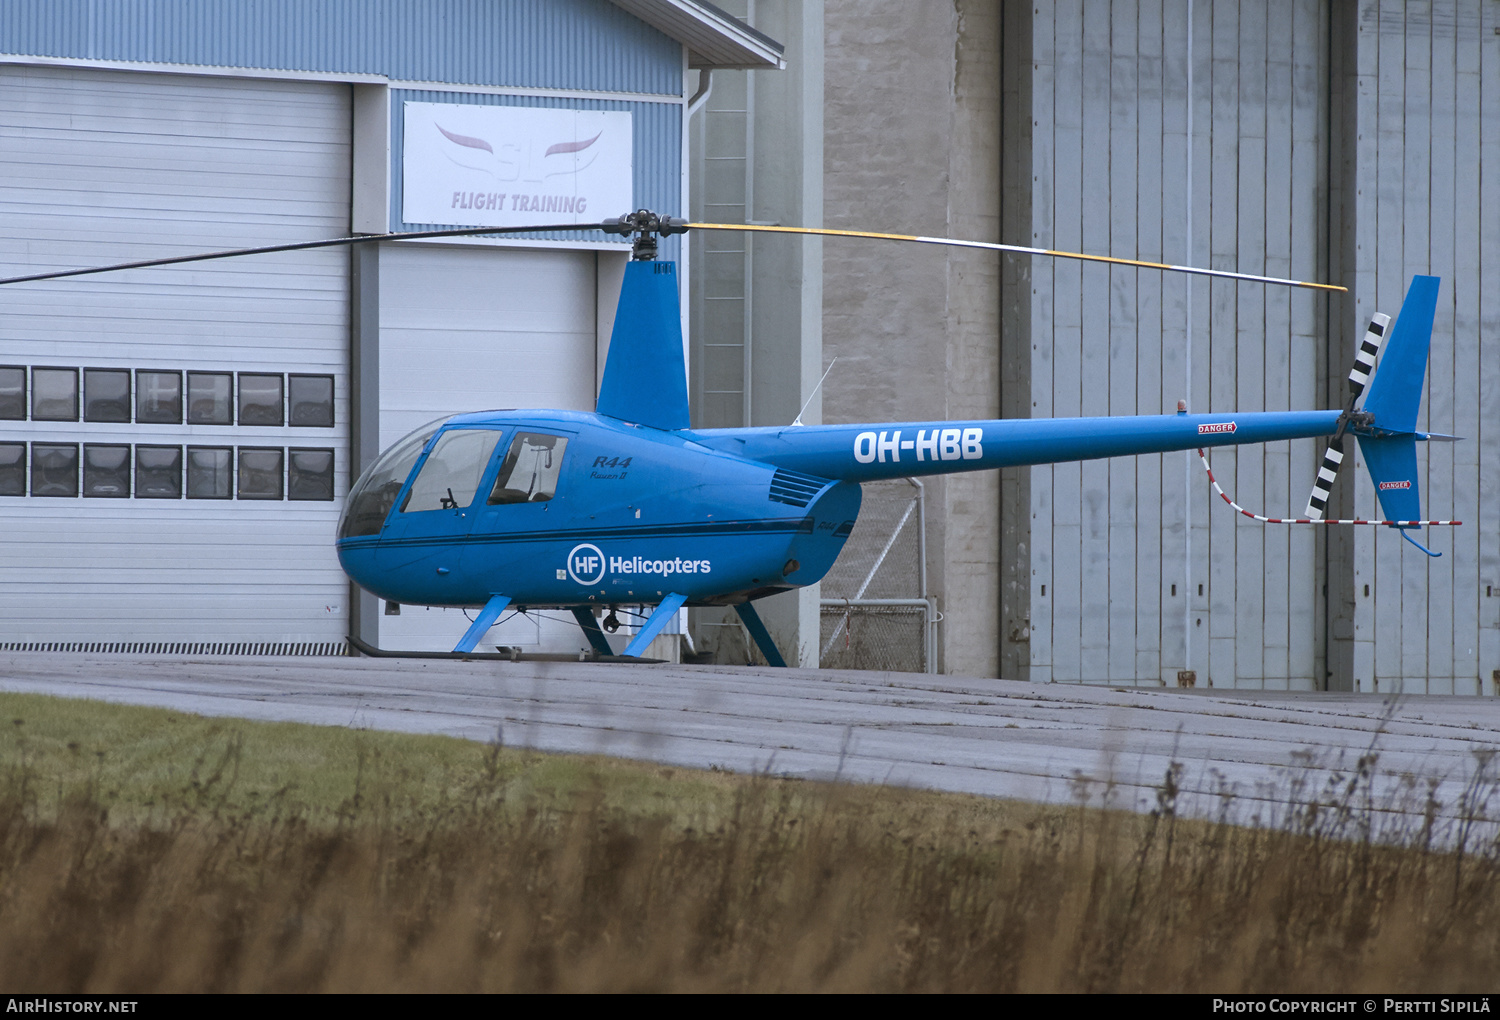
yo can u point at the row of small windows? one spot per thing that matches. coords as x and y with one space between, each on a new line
109 471
212 398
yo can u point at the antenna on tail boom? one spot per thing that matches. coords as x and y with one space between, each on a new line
798 420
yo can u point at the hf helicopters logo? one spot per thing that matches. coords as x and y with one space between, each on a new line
586 565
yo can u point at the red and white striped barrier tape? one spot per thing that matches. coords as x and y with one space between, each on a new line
1300 520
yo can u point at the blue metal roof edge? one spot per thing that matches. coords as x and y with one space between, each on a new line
583 45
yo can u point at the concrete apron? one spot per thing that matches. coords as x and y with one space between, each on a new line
1048 743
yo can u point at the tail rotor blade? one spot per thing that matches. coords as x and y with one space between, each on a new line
1369 348
1317 503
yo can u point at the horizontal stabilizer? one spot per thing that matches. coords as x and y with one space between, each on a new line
645 375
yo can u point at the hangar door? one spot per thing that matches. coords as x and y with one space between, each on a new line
173 446
471 329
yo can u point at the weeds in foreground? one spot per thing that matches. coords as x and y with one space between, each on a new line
490 887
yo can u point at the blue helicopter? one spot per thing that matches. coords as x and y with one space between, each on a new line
546 509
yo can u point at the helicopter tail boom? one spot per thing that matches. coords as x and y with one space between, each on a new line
867 453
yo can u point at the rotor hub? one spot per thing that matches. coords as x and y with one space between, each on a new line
645 225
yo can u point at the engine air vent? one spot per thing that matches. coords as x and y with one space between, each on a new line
795 488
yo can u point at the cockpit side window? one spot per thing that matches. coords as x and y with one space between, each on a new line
450 476
531 469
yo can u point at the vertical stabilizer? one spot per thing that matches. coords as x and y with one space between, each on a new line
1394 397
1396 393
645 376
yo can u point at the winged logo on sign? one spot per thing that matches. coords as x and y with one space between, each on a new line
508 161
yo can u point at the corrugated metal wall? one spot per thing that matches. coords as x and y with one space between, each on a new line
1425 200
103 166
1126 163
580 46
564 44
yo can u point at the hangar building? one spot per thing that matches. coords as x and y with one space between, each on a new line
175 444
1349 142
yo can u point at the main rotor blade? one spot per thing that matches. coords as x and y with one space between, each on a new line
1021 250
478 231
410 235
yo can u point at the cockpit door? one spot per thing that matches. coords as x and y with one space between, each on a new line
524 505
528 491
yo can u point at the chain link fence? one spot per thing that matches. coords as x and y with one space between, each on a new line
865 636
875 614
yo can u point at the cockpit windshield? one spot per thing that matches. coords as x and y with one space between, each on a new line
375 493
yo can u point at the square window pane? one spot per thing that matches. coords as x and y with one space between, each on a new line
260 399
311 400
310 474
260 473
106 395
158 472
12 393
54 395
106 470
158 397
208 472
210 398
54 469
12 469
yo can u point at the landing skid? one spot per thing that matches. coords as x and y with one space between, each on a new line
380 653
598 643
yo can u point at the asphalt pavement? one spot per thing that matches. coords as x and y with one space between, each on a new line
1054 743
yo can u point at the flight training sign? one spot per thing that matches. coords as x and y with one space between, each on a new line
509 166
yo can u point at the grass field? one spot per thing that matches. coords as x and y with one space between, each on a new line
146 850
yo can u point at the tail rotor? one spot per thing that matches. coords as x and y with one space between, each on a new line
1359 378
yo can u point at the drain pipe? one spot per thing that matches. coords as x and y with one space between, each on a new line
932 616
705 86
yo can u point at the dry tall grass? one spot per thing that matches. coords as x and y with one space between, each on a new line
796 887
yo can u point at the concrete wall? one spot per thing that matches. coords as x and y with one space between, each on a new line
912 105
1016 127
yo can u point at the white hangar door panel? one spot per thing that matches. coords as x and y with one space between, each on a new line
103 166
470 329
